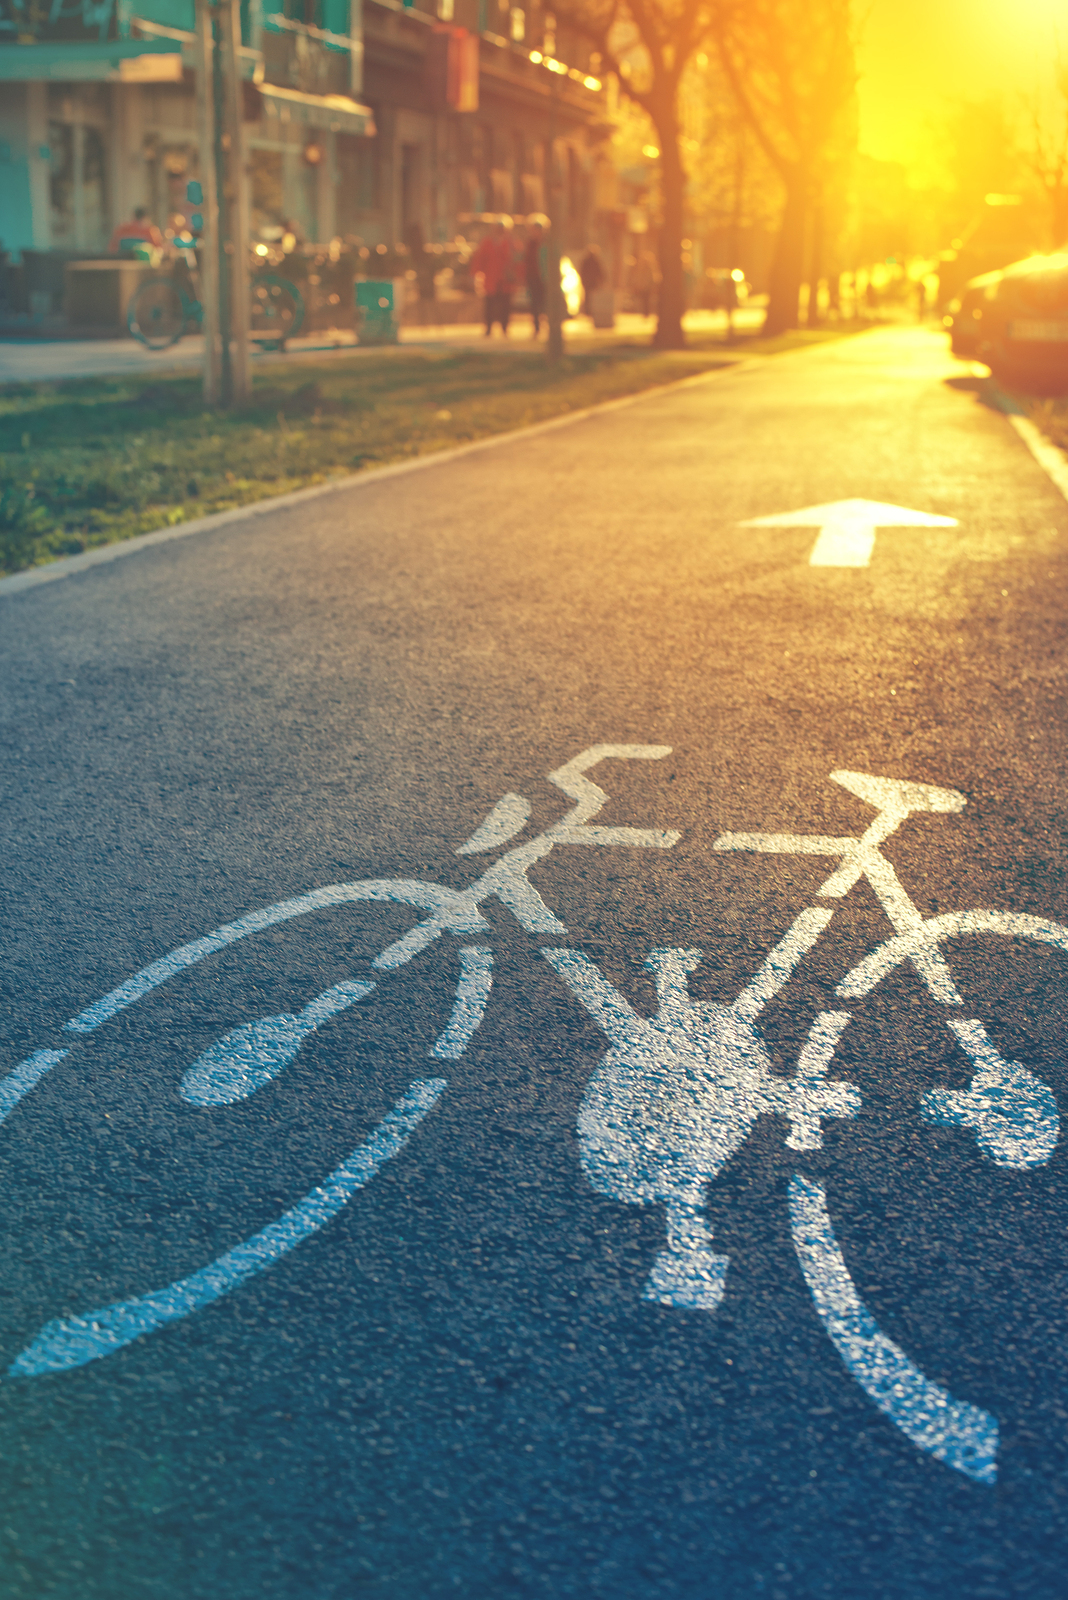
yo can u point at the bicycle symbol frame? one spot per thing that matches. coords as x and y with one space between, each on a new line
671 1102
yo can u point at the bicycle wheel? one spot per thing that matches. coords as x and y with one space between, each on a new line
277 310
157 314
1013 1116
1011 1111
238 1065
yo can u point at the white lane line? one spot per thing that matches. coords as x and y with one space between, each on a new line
72 1341
962 1435
476 976
1045 453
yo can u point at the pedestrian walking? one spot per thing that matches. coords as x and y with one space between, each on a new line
592 273
495 259
536 272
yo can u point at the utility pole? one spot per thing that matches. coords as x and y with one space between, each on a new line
232 182
209 238
554 295
224 250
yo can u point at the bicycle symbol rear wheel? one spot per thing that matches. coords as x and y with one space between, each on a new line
237 1066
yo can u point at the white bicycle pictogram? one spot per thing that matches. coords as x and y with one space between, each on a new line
673 1099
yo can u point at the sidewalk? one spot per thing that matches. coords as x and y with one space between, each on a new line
27 361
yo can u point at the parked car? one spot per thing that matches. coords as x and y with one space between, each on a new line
1016 321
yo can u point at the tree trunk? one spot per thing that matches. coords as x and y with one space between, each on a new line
815 265
788 262
1060 216
669 334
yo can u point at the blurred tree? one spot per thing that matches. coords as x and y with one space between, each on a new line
980 153
993 211
735 194
1045 150
649 44
792 67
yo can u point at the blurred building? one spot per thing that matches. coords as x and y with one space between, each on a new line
369 118
434 166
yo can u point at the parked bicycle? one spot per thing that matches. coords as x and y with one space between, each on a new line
168 306
671 1102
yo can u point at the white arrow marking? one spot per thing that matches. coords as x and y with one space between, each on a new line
847 528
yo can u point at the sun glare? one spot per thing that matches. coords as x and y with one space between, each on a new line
918 60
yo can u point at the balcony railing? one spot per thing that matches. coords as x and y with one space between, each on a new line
58 21
297 56
526 30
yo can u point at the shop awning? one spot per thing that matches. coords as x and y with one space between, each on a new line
334 113
99 60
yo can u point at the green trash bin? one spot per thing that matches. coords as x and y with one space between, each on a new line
376 311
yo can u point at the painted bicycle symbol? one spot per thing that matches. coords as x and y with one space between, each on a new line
672 1101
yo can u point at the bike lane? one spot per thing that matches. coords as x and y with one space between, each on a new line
463 1381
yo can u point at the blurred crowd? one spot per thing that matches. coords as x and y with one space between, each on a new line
511 270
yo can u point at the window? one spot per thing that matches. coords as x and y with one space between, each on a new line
265 183
61 181
518 24
77 186
94 229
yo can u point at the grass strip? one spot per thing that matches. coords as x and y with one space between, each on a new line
1049 413
91 461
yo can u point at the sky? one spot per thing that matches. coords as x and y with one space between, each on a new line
919 57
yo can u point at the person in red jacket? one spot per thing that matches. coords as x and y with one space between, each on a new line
138 231
495 259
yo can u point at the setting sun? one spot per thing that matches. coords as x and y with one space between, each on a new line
917 61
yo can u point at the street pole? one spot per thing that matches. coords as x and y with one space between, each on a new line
223 245
234 202
554 298
209 239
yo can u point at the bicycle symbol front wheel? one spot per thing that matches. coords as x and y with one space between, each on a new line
1013 1116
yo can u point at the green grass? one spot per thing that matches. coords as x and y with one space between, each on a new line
1050 413
87 462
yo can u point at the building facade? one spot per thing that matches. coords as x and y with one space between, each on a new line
354 127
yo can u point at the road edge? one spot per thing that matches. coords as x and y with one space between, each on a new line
1048 455
70 566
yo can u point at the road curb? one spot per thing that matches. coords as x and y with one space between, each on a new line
1050 457
70 566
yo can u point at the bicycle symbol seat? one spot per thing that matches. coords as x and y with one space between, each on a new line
674 1098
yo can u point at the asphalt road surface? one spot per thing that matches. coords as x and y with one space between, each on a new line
717 1251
